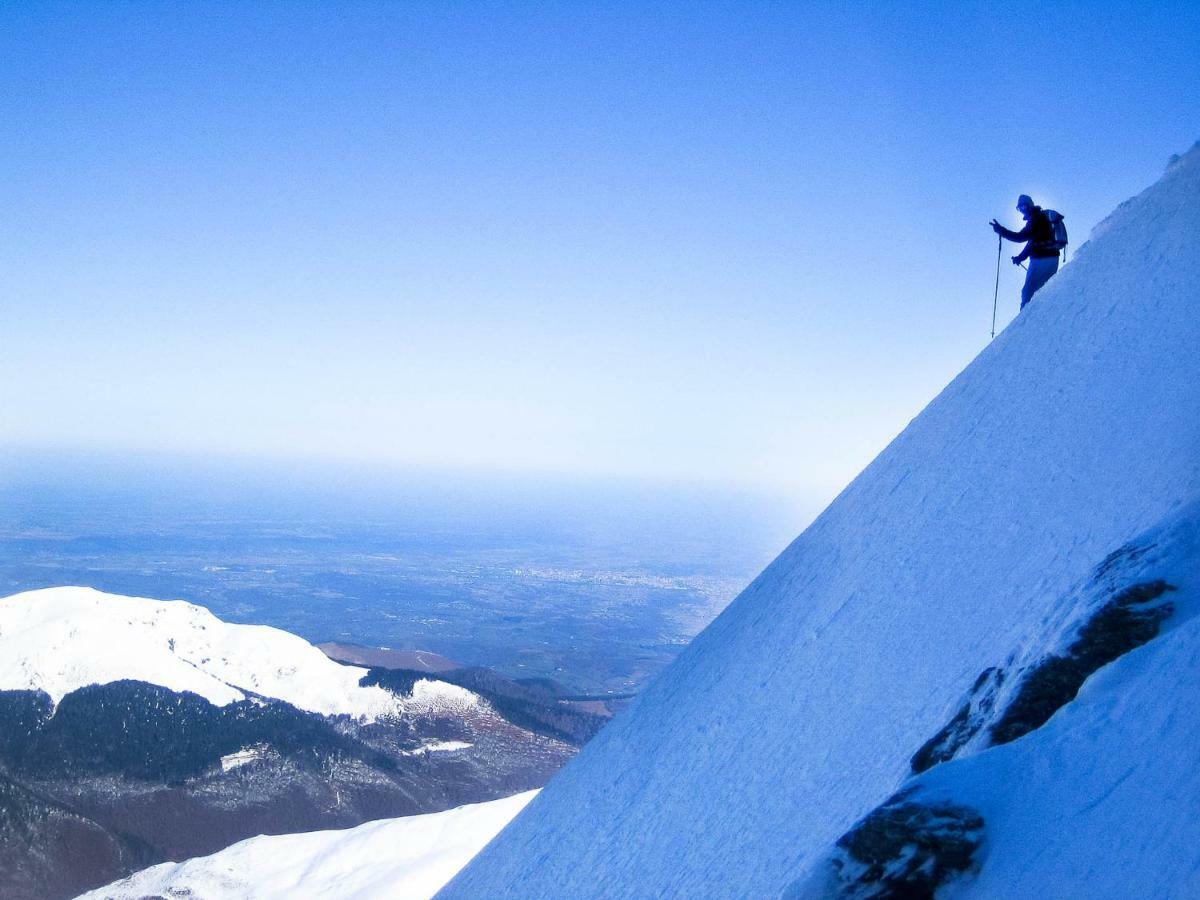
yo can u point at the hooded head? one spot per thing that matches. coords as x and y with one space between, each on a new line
1025 204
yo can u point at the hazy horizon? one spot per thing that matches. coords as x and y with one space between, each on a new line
595 583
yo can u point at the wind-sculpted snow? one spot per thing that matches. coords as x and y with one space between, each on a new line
408 858
796 713
58 640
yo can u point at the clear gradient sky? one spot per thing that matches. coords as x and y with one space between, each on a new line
739 242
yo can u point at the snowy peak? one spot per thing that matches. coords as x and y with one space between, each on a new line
58 640
408 857
960 549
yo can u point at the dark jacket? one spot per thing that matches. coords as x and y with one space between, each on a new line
1038 232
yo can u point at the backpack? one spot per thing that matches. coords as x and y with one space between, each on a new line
1059 227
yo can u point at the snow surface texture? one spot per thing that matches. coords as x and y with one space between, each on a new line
61 639
797 711
408 858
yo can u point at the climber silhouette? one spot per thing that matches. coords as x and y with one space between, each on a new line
1044 235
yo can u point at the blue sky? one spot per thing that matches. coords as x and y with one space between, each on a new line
726 243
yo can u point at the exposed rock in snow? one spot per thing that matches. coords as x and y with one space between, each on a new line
958 551
1114 610
910 847
408 858
60 639
1065 808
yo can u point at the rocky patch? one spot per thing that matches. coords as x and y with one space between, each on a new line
906 849
1130 619
1124 612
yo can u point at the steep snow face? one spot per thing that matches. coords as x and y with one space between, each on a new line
410 857
60 639
1091 794
798 710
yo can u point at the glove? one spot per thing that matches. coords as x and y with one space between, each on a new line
1016 260
996 226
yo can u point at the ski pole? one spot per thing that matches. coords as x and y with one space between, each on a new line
996 293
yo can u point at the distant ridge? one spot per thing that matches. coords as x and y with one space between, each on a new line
135 730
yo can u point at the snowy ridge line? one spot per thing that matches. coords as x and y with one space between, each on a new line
410 857
796 713
58 640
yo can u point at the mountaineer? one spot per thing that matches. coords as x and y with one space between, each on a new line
1044 235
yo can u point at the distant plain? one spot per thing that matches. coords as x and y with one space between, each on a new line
595 584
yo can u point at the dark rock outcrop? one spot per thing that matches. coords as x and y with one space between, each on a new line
1130 619
906 849
1126 611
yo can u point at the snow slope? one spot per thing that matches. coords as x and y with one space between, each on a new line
61 639
1101 800
407 858
796 712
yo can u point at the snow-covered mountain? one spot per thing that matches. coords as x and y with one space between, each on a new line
136 730
409 858
58 640
892 705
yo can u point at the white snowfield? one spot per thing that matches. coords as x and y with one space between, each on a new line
795 713
392 859
61 639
